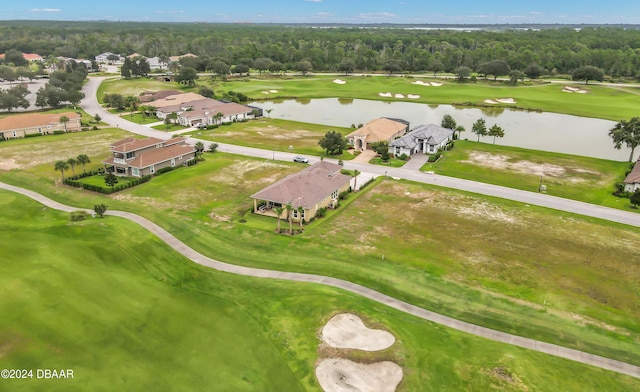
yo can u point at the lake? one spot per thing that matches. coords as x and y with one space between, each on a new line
537 131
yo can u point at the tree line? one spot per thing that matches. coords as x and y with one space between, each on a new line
614 50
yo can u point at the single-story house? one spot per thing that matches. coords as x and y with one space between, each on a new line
426 139
207 113
312 188
632 181
177 58
20 125
139 157
379 130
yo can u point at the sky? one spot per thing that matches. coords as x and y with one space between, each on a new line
331 11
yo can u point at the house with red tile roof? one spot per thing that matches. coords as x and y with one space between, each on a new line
21 125
141 157
317 186
30 57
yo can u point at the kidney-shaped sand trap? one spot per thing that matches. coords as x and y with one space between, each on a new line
338 375
347 330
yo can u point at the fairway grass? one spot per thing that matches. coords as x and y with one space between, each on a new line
458 254
128 313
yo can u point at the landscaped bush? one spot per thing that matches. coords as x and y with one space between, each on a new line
343 195
321 212
227 123
212 126
404 157
58 132
190 162
33 135
164 170
106 190
435 157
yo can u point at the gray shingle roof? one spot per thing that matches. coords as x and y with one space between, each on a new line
433 134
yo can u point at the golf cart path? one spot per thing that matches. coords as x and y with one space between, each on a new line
498 336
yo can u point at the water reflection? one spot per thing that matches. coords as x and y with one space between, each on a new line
533 130
345 101
303 101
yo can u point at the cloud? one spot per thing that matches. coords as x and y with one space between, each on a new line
377 15
45 10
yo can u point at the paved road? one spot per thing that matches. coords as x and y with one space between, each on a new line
91 106
183 249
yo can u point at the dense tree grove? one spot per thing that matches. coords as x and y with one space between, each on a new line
615 50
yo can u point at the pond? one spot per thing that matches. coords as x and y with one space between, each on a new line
538 131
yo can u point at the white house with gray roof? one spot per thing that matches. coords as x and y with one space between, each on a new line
425 139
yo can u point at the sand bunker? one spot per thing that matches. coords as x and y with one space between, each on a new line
273 91
347 330
384 94
265 92
413 96
339 81
399 95
569 89
506 100
490 101
341 375
421 83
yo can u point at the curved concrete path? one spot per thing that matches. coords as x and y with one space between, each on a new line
183 249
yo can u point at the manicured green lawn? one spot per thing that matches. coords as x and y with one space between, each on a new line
270 133
99 180
137 86
138 118
169 128
573 177
460 254
392 162
134 315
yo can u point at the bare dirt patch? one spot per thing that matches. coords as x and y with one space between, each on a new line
347 330
501 162
341 375
8 164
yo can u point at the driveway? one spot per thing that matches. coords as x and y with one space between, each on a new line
365 156
416 162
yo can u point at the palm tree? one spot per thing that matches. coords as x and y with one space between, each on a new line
300 212
64 120
279 213
72 162
61 166
218 116
83 160
269 112
460 129
289 208
199 149
356 173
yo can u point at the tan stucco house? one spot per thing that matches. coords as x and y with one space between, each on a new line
141 157
379 130
315 187
20 125
632 181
